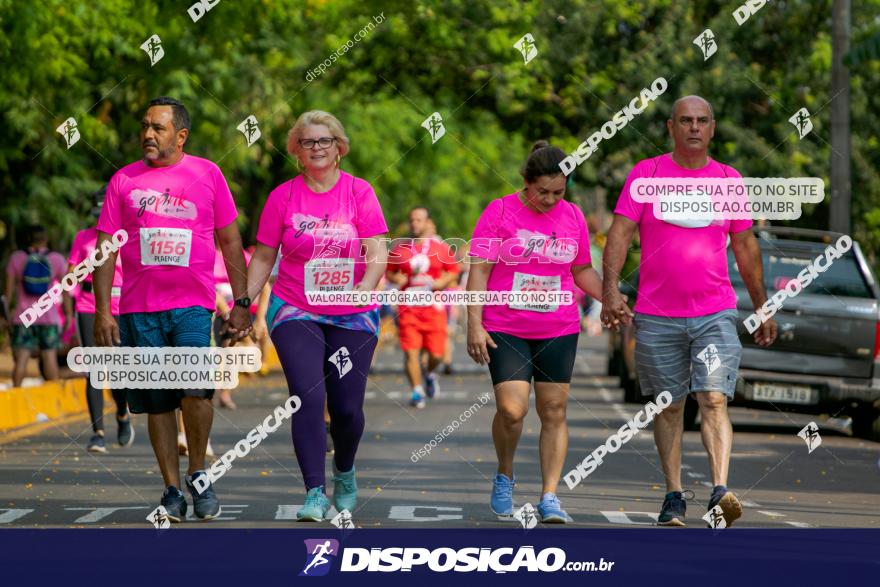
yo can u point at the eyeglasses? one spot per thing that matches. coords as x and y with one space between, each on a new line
323 142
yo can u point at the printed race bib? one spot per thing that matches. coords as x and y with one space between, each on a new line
166 246
523 282
329 275
115 291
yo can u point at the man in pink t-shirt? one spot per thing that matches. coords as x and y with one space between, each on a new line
29 275
172 205
685 312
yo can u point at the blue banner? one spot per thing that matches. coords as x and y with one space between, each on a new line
741 557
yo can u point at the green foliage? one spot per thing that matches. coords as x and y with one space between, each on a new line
456 57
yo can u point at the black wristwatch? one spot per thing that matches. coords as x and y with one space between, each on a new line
244 302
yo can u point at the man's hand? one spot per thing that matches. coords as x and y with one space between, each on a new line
615 312
239 323
106 330
478 341
766 333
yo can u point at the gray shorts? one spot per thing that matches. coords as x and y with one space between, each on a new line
683 355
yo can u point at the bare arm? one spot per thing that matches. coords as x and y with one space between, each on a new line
229 240
614 308
477 337
751 267
106 329
587 278
259 270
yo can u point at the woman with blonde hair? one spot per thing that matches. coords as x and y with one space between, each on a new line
325 222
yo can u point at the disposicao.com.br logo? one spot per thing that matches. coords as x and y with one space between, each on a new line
442 560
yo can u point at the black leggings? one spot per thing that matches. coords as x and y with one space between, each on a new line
521 359
95 397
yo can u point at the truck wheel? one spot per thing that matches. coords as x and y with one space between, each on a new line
866 424
691 410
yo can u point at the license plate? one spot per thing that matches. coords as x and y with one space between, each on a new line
790 394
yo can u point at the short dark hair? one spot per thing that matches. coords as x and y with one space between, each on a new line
425 208
544 159
179 115
36 233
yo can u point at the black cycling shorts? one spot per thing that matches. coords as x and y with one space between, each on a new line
521 359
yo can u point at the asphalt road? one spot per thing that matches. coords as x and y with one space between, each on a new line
51 481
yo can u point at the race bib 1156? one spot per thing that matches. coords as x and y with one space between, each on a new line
166 246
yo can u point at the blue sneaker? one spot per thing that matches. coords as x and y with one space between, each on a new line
432 385
501 502
174 503
344 490
417 400
730 506
205 504
96 444
316 507
551 511
125 434
674 507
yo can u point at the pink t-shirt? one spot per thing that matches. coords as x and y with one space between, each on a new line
531 251
683 271
319 238
170 215
83 244
15 270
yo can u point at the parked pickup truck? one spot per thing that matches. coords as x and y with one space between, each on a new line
825 357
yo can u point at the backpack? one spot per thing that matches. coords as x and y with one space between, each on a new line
37 274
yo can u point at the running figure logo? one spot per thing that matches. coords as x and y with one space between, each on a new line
342 360
69 130
159 518
250 129
801 121
526 46
715 518
319 555
342 520
710 358
706 43
526 516
153 48
434 125
810 434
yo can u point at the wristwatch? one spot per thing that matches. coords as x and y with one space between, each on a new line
244 302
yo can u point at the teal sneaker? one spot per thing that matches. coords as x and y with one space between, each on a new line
345 490
316 507
501 501
551 511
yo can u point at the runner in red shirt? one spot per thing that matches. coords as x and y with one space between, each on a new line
422 263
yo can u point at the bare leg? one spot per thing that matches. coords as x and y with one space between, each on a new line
413 367
550 402
512 399
50 364
163 437
21 360
198 414
668 429
717 433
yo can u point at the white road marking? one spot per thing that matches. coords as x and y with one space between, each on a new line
616 517
288 512
224 509
407 513
695 475
11 515
618 409
771 514
98 514
800 525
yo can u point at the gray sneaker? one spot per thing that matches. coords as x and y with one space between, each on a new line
205 504
125 434
96 444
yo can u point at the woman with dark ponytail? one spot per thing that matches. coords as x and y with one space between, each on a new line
530 242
